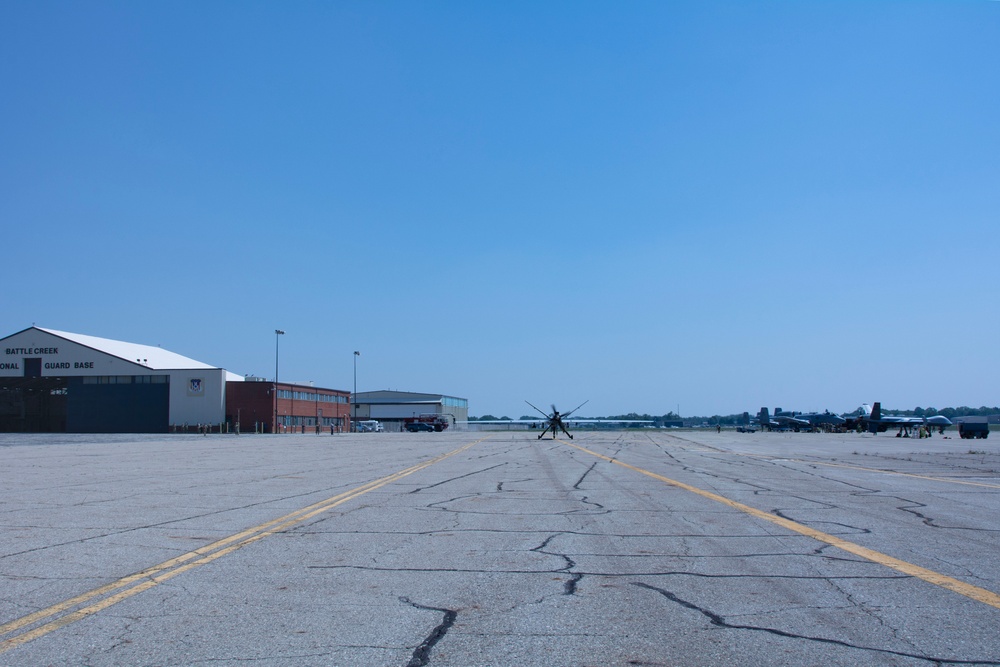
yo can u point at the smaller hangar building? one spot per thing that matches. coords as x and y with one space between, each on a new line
392 407
55 381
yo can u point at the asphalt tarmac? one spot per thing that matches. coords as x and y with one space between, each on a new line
648 547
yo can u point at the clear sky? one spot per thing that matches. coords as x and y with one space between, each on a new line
706 205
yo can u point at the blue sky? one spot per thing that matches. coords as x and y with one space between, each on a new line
710 205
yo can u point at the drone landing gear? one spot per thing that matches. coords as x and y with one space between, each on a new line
568 434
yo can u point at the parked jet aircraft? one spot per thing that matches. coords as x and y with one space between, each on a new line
826 418
797 421
875 422
779 420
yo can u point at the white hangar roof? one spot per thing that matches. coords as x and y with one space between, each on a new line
155 358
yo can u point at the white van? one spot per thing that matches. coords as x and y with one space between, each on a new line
370 426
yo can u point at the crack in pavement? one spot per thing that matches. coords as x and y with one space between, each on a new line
909 507
525 531
584 476
569 586
445 481
609 575
936 457
931 521
720 621
422 654
848 528
438 506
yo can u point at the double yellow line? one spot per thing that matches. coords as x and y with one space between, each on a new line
930 576
26 628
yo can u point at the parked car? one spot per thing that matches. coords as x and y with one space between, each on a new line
370 426
419 426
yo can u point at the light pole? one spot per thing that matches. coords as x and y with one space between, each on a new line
277 333
354 398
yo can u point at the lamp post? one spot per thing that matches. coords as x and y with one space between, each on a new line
277 333
354 398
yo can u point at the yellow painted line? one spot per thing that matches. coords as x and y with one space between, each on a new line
69 611
930 576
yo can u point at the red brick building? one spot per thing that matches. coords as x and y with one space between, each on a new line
268 407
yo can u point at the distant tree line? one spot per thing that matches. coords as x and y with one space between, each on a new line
670 416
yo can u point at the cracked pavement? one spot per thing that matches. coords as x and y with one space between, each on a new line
513 551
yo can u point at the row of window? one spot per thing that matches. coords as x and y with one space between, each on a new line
454 402
311 396
126 379
289 420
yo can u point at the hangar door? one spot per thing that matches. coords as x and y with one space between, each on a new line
33 404
118 404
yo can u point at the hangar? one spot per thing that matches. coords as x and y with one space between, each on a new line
392 407
59 382
55 381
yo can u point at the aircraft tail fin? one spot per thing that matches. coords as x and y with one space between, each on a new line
765 416
876 413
